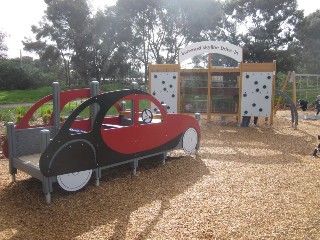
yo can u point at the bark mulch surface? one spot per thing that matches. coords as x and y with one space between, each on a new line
244 183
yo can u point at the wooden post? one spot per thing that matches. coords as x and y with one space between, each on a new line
283 88
294 88
240 66
178 91
209 89
274 72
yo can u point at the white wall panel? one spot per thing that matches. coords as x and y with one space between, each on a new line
164 87
256 94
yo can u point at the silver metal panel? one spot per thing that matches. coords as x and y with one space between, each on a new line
27 141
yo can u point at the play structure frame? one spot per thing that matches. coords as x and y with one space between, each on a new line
291 77
72 150
291 100
243 71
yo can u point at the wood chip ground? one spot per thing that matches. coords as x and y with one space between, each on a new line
244 183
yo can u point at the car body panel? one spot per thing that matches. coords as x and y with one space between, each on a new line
109 142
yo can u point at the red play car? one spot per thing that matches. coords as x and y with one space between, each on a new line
114 136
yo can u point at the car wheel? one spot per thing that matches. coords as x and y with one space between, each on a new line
190 140
74 181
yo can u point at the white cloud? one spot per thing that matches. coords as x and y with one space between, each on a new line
16 18
309 6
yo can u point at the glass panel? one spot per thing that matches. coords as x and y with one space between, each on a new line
194 92
224 94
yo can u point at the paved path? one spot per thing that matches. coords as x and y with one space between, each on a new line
13 105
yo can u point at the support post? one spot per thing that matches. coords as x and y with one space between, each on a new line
134 85
273 91
44 139
197 117
94 91
134 167
47 188
56 106
164 158
294 88
11 149
98 176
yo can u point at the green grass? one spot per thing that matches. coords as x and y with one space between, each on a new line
34 95
24 96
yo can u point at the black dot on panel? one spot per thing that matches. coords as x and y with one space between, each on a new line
155 76
154 93
170 86
269 77
247 76
174 77
173 95
162 102
257 90
246 112
256 82
264 86
155 109
266 97
168 107
260 109
244 95
163 82
253 104
164 89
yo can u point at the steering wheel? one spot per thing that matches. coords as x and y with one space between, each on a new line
146 116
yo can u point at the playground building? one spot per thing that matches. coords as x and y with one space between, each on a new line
234 89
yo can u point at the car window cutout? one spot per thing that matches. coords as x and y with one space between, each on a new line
82 123
148 115
120 115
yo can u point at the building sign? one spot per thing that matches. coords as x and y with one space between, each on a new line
222 48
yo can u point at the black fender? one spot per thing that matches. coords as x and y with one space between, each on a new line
74 156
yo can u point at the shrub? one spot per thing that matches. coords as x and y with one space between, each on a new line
7 115
46 118
19 117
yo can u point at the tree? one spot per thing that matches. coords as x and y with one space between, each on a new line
89 45
3 47
308 36
109 55
156 30
25 75
66 26
266 27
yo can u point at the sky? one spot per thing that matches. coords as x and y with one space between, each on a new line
17 16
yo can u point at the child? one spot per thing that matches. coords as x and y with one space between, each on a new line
317 104
316 150
303 104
